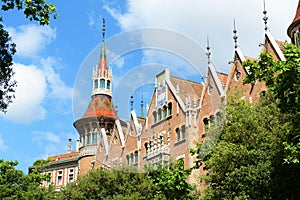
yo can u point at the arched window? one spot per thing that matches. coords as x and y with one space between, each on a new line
182 131
146 147
164 112
155 116
136 157
83 140
205 121
177 130
95 136
102 83
159 115
169 109
108 84
96 84
88 138
211 119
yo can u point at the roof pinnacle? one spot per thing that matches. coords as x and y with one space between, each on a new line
265 18
235 37
208 53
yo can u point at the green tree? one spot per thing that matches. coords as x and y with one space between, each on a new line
7 85
171 181
246 162
282 78
34 10
123 183
14 184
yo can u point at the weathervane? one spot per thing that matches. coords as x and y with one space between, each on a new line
265 18
208 53
103 28
235 37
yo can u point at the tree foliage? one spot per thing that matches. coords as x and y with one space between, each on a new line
171 182
246 162
282 78
124 183
7 85
130 183
14 184
35 10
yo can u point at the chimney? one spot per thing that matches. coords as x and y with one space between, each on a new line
77 145
70 145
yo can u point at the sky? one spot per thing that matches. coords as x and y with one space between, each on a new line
53 64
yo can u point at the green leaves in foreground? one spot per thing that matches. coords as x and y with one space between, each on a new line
247 160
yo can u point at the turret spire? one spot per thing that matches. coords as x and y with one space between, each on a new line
102 62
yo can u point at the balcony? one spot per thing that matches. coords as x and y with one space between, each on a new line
89 150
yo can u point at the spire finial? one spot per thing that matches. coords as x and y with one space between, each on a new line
265 18
235 37
142 105
131 102
208 53
103 28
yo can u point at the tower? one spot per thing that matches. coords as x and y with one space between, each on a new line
293 30
100 113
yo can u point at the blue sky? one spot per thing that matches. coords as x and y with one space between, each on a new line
53 64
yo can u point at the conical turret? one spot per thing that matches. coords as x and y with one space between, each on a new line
100 113
294 28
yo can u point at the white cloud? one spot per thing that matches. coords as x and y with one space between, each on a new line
53 143
58 89
30 92
47 136
197 19
118 62
35 85
31 39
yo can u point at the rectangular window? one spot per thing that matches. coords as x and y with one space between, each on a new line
94 138
88 140
49 181
115 163
183 132
71 175
135 158
177 134
59 177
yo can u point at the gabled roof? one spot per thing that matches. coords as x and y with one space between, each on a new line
187 88
223 78
280 44
275 45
